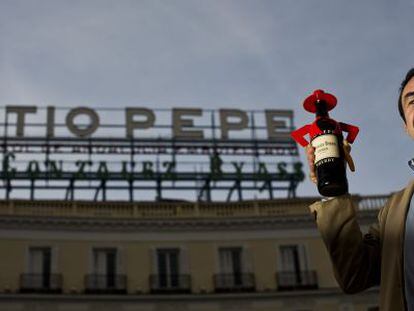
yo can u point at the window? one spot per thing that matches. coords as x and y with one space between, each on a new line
168 267
40 273
293 258
40 266
293 272
233 274
231 264
105 266
105 274
170 271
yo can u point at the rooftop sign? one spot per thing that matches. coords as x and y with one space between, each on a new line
140 149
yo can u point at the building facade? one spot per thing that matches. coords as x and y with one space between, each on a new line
252 255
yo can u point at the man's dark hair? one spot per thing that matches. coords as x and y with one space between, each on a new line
408 76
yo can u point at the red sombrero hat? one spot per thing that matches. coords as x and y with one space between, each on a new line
310 102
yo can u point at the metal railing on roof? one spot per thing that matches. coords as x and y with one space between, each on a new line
154 210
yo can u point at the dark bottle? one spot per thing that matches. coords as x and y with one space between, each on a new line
327 139
330 163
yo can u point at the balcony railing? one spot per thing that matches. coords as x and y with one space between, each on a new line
372 203
297 280
170 283
144 210
105 284
237 282
40 283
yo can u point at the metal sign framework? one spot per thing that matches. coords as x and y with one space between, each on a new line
130 168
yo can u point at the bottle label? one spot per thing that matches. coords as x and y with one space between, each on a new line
326 147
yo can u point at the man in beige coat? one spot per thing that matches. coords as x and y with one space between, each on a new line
380 257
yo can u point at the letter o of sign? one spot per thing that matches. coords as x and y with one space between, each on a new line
82 132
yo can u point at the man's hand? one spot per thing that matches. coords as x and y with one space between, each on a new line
347 154
310 153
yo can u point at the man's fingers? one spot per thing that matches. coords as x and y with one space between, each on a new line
347 154
310 149
310 153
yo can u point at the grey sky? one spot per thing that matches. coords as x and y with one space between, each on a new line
221 54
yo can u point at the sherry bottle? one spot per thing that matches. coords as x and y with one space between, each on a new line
327 139
330 163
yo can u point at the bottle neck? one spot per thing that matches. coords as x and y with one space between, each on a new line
321 109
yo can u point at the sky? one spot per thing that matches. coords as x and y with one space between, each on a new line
240 54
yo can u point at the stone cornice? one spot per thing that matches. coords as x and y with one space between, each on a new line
156 225
167 224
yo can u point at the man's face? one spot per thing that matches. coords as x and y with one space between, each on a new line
408 107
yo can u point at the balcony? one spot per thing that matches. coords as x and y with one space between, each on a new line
300 280
105 284
170 283
238 282
41 283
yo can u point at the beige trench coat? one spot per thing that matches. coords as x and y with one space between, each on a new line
361 261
